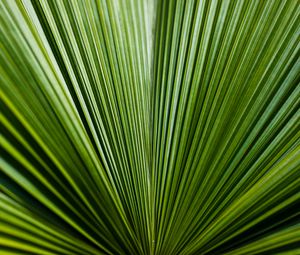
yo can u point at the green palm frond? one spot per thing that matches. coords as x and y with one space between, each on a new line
150 127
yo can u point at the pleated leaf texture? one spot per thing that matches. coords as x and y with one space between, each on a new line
150 127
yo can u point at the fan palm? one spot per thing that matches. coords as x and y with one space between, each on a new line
150 127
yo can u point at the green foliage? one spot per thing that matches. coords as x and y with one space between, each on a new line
150 127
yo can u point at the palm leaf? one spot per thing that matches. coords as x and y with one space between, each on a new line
149 127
